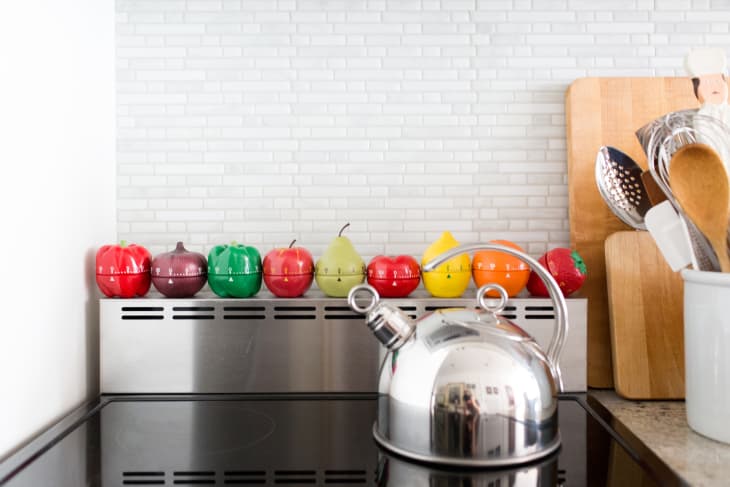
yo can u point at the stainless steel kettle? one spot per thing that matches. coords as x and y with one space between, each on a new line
466 386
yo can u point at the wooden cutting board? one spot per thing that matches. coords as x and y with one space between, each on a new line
607 111
645 302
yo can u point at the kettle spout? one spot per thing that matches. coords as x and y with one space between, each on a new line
391 326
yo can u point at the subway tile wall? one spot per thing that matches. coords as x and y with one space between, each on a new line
267 120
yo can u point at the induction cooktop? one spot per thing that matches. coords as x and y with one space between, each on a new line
298 440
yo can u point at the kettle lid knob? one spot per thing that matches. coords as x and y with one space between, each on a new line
487 306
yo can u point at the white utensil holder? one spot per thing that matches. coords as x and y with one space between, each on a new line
707 352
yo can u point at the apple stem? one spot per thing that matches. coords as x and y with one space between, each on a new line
123 243
292 243
343 229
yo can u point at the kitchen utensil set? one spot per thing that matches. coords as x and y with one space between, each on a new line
684 156
661 139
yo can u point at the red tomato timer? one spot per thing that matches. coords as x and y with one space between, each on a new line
394 277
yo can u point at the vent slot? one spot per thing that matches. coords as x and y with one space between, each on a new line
249 477
295 313
345 477
193 317
436 308
539 308
244 477
510 316
143 478
347 313
192 308
142 309
295 477
245 313
194 478
539 317
562 479
244 317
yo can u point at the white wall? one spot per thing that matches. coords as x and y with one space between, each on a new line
57 204
262 121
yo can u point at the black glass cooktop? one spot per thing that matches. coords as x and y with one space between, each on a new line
298 440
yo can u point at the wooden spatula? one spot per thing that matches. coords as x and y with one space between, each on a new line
699 181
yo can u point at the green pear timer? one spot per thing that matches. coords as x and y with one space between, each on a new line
340 268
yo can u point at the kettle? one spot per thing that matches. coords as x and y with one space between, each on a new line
466 387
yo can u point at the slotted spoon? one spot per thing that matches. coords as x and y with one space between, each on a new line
619 181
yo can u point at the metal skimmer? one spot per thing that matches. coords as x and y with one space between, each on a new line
618 178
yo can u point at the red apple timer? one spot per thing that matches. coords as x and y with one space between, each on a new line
566 266
288 271
394 277
495 267
123 270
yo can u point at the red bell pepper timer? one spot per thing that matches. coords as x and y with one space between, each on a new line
123 270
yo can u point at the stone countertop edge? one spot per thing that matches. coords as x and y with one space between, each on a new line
662 427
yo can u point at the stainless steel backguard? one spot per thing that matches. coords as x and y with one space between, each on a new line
266 344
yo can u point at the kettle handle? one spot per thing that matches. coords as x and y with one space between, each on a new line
561 308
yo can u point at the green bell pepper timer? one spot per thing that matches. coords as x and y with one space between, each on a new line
234 271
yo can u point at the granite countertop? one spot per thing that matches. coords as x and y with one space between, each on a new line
662 426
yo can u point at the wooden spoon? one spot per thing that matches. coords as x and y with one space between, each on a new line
699 181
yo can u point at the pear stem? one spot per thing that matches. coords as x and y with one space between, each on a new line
342 229
292 243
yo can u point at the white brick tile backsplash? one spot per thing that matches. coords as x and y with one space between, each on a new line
263 121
